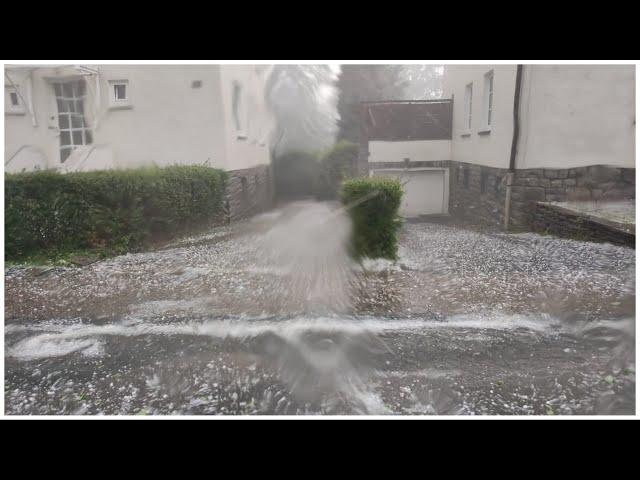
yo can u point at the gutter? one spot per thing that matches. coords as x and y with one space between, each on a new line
514 146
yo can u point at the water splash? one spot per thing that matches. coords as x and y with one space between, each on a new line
310 243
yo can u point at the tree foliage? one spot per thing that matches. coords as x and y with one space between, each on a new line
365 83
336 165
303 100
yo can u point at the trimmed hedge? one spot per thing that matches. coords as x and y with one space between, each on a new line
373 205
49 212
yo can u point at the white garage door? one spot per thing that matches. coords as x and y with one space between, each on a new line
424 191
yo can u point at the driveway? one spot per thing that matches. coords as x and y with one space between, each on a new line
270 316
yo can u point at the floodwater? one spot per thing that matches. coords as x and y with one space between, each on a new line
272 317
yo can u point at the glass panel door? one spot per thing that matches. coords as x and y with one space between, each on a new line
72 124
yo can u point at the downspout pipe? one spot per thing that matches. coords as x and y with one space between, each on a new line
514 146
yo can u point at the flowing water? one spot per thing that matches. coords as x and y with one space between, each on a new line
272 316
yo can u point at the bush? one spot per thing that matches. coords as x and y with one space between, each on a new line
49 212
373 205
336 165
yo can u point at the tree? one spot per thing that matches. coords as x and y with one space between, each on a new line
362 83
424 82
313 103
303 100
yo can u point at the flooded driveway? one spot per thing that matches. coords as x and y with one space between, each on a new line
270 316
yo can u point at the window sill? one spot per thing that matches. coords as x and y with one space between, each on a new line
15 112
485 131
466 133
241 136
121 107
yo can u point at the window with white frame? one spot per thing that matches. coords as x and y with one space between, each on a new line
74 130
488 100
468 105
13 102
119 94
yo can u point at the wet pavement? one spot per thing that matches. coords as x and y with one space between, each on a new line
270 316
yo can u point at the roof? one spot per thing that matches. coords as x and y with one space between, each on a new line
397 120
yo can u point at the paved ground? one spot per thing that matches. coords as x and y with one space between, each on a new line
269 317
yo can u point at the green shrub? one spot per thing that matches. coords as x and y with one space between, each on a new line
49 212
373 205
336 165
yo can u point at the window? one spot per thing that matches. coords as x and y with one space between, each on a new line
468 103
465 180
120 92
119 95
72 125
488 101
236 103
13 103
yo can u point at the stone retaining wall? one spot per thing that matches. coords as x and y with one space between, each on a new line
595 183
563 222
249 191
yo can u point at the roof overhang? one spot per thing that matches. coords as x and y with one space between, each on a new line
54 71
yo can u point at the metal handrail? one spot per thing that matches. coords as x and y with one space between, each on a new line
16 153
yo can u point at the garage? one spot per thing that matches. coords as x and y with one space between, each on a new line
426 190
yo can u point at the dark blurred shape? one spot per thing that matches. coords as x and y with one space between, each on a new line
295 174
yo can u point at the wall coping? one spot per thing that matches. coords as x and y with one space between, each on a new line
624 227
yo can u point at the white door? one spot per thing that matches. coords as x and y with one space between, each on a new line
424 191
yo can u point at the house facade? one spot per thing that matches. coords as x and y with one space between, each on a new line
93 117
518 135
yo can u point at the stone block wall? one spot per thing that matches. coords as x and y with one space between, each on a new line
249 191
566 223
477 193
599 182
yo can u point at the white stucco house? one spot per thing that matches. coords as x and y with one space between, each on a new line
90 117
504 136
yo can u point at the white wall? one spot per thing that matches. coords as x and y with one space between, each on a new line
29 146
577 115
169 122
250 146
416 151
491 149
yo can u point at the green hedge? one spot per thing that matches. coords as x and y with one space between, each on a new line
48 212
373 205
